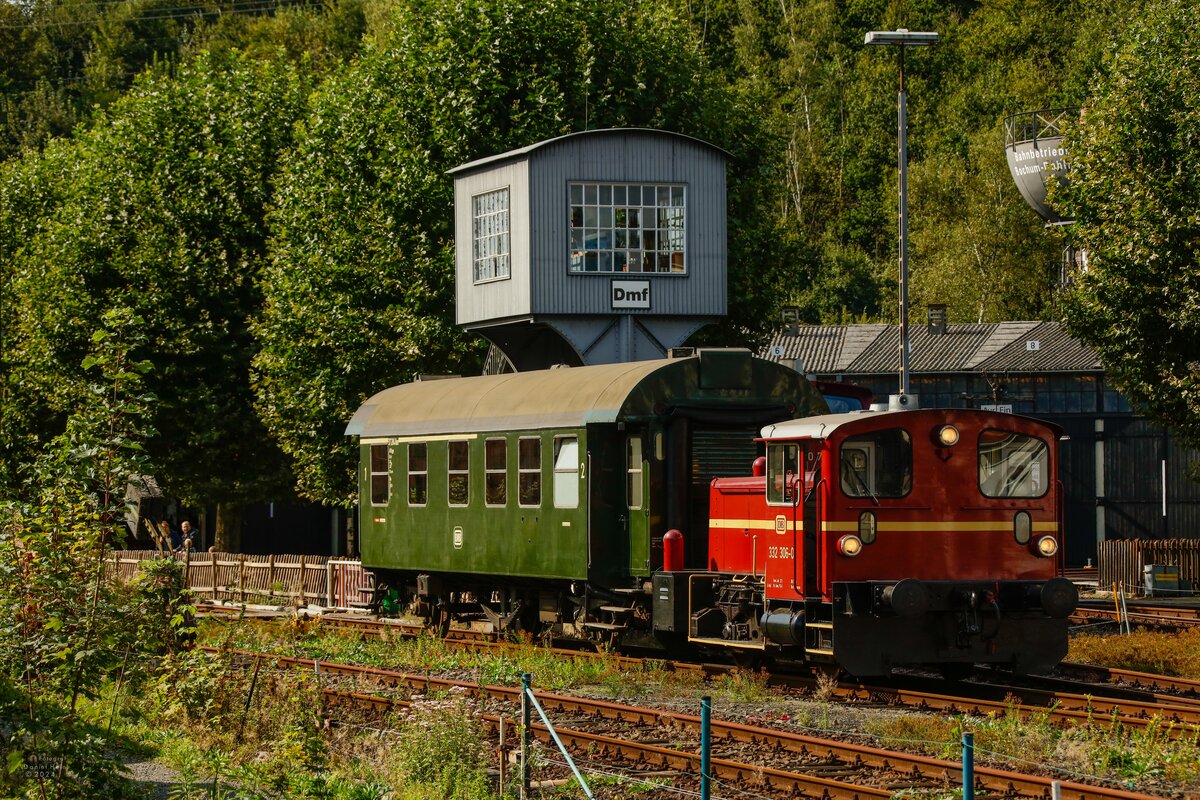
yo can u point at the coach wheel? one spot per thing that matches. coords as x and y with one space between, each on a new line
439 621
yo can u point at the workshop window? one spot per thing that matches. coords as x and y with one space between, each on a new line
490 228
619 227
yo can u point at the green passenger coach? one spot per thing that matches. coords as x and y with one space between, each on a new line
541 498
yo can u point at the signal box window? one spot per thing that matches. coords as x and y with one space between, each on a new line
458 463
418 473
619 227
877 464
782 467
380 480
495 467
529 472
566 472
633 472
489 213
1012 464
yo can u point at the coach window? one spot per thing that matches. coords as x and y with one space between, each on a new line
877 464
380 480
529 472
566 472
495 467
633 472
1012 464
782 461
458 463
418 473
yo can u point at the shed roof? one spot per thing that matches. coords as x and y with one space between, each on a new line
522 152
988 347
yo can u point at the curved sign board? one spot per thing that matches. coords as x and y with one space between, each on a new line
1033 145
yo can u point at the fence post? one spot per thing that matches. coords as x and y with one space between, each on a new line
242 578
271 575
705 746
329 583
968 766
526 730
303 583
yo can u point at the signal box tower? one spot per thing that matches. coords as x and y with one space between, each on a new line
597 247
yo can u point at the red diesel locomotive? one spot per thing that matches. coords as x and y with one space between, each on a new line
873 540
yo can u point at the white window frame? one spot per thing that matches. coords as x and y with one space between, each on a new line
611 234
491 236
489 472
569 482
465 473
386 473
535 471
413 473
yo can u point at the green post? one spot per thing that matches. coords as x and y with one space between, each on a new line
968 762
526 727
705 746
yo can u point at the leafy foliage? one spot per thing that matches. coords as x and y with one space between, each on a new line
359 294
63 628
1134 192
166 210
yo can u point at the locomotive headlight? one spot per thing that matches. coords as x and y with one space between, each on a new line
1047 546
850 545
947 435
866 526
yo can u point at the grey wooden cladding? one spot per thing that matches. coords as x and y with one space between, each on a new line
539 178
265 579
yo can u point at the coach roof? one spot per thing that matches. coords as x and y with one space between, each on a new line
576 396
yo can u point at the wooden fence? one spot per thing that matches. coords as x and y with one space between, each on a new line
270 579
1121 560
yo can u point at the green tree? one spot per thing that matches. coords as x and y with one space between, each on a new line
166 207
359 295
63 628
1134 193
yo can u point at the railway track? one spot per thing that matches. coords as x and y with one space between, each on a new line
1169 617
785 763
1063 702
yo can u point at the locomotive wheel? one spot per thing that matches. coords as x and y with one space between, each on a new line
956 672
751 660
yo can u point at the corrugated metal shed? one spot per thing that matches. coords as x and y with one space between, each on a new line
980 347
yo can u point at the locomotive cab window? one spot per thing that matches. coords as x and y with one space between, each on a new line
418 473
566 472
459 472
877 464
1012 464
495 467
529 472
380 480
782 467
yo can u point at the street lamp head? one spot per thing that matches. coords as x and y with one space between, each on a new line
902 38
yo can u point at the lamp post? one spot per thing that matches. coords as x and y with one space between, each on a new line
903 38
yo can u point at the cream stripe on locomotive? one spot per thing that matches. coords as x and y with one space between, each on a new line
779 524
930 525
883 525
